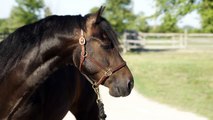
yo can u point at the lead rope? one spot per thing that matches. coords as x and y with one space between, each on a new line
102 115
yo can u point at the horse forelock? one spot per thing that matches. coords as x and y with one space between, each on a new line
109 31
105 28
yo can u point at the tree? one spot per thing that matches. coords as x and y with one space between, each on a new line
139 23
119 14
26 12
169 23
3 26
174 10
47 12
206 12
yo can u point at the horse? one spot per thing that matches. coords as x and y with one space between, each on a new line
35 51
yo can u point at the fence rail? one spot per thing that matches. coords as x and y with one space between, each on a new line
168 41
163 41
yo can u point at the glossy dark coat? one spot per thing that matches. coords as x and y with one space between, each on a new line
30 55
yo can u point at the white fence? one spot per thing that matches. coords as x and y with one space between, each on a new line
162 41
159 41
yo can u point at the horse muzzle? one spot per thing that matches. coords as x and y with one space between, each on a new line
121 89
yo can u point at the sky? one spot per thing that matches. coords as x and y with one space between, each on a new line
75 7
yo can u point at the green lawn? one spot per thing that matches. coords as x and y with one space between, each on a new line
181 79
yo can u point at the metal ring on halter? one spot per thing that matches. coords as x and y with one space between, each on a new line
82 40
96 89
108 73
85 54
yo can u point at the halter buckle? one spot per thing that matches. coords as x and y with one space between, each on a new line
108 73
84 54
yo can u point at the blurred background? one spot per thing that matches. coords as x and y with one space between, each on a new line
168 44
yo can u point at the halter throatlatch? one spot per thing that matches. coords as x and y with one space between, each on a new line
107 73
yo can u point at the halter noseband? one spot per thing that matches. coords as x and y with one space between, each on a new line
107 72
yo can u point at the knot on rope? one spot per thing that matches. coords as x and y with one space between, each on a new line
102 114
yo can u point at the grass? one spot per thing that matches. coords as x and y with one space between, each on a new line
181 79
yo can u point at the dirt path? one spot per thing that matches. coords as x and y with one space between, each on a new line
137 107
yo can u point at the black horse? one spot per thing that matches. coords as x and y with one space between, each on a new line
30 56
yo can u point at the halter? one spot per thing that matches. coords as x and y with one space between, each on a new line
107 72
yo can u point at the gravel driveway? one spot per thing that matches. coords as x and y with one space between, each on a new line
137 107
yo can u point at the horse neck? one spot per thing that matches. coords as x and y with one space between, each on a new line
33 69
42 60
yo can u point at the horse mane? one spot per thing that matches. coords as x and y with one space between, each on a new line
25 38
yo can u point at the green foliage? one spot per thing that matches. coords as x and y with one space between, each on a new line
169 23
206 12
172 11
119 13
93 10
121 16
26 12
139 24
3 26
177 8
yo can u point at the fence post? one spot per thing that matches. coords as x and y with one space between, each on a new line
173 40
185 38
124 43
181 41
143 41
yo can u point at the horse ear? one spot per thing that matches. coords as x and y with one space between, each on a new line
99 13
95 18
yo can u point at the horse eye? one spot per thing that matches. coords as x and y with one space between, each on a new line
107 46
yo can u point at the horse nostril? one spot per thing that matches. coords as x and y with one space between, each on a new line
130 85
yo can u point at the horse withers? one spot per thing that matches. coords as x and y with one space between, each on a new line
33 52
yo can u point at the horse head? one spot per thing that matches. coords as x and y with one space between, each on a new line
99 59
